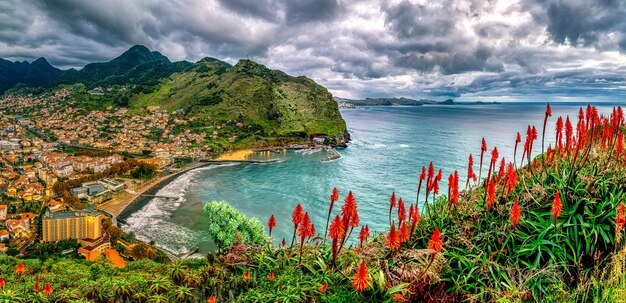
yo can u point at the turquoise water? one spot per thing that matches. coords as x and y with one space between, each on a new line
389 147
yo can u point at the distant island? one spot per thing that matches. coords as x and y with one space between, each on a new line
394 101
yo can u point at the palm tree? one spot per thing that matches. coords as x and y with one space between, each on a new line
183 294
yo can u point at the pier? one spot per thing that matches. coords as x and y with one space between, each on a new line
332 154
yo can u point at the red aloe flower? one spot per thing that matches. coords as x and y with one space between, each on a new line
401 211
557 207
364 234
429 179
393 241
470 171
435 243
349 212
392 204
336 232
47 290
20 269
568 133
511 178
296 217
415 217
559 133
483 149
271 223
516 214
2 282
403 234
334 196
306 230
36 288
361 278
322 288
491 193
501 170
337 229
620 218
270 276
283 243
211 299
246 275
619 148
518 139
545 120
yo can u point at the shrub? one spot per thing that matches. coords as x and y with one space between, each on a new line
226 224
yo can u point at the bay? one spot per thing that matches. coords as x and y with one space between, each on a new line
390 145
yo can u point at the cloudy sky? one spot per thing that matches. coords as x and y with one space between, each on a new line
463 49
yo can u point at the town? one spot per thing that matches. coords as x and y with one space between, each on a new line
61 165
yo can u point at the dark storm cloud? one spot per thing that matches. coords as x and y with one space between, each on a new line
582 22
413 48
264 9
303 11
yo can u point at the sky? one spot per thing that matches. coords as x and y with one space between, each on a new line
493 50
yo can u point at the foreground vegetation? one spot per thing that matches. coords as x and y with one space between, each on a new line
549 228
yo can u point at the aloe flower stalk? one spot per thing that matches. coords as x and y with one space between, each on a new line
296 217
518 139
557 207
393 241
516 214
401 211
470 171
545 120
306 230
415 217
334 196
392 204
361 278
435 243
336 232
364 234
271 223
483 149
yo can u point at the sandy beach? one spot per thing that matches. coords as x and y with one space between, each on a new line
238 155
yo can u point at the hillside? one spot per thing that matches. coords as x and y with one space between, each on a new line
37 73
272 100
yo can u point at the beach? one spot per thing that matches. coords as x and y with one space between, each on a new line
131 199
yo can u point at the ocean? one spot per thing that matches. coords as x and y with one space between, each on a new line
390 144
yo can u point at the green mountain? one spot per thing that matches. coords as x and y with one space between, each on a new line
249 92
138 65
37 73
